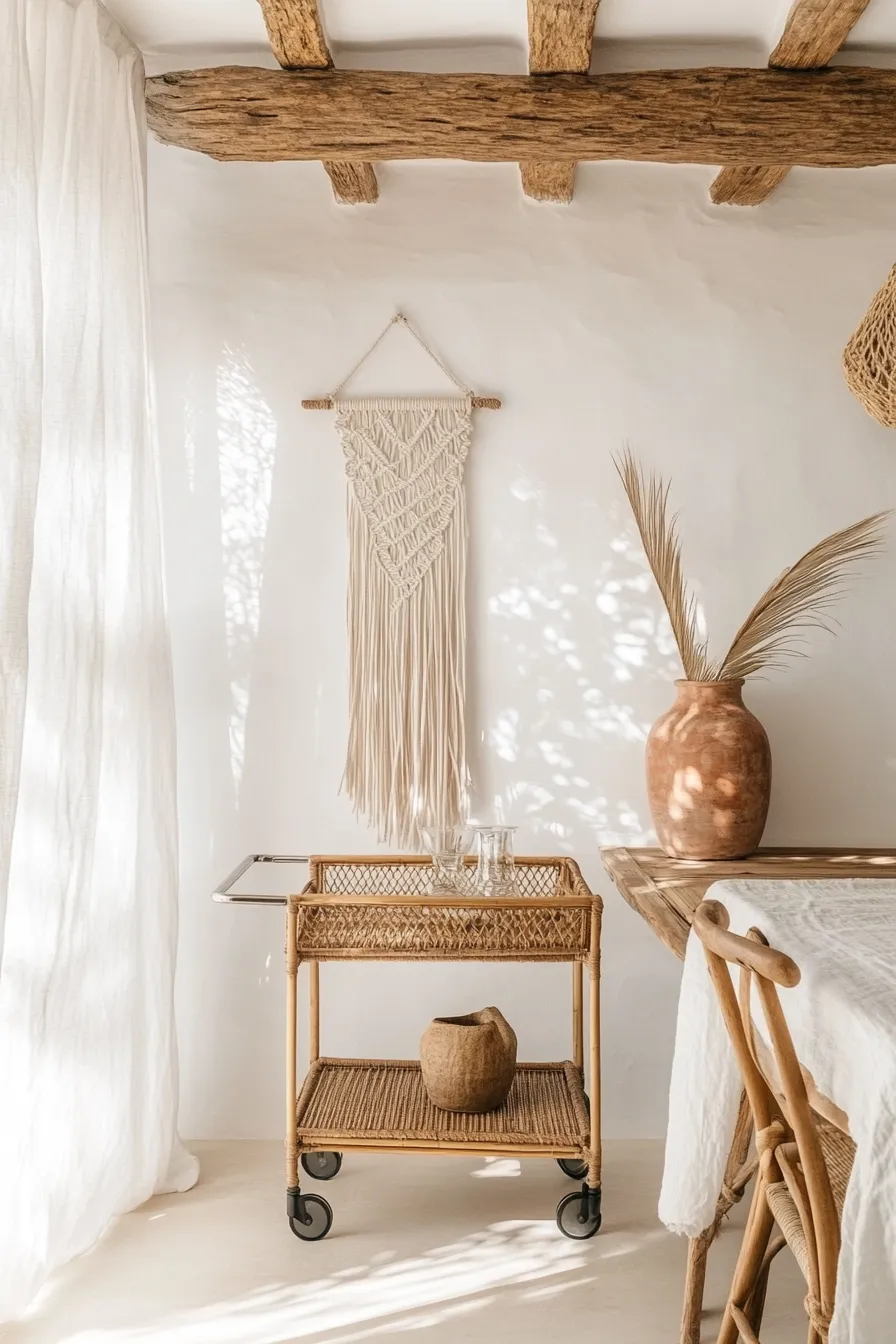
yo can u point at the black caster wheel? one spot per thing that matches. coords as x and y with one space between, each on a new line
322 1166
573 1167
313 1218
578 1214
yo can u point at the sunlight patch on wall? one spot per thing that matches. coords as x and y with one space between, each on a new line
247 442
544 763
190 440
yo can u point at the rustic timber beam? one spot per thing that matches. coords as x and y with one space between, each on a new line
560 37
814 32
353 183
297 39
840 117
747 183
296 34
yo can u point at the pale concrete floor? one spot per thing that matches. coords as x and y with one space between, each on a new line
436 1249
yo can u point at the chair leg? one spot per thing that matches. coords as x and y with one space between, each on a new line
737 1176
750 1266
755 1308
695 1280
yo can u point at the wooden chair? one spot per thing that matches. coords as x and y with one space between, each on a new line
804 1160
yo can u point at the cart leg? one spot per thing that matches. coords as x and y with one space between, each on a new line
314 1016
292 1152
594 1162
579 1214
578 1044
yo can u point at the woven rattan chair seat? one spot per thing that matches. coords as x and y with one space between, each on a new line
839 1153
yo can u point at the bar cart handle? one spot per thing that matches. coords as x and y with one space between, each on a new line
225 896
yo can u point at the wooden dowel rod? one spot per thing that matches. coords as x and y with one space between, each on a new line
326 403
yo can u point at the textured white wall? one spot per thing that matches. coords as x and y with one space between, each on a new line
709 339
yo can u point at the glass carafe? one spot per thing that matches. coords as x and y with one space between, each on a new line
447 846
495 872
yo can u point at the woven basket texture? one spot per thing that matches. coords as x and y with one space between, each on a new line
539 877
869 360
354 932
839 1153
468 1062
367 1100
489 929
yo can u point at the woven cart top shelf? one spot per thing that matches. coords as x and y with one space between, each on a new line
354 1103
357 909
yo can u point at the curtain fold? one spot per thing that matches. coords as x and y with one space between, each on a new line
88 831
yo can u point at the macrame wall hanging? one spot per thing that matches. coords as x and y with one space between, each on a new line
404 459
869 360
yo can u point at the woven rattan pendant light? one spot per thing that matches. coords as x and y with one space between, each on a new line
869 360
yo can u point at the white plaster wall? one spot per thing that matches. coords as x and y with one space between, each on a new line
709 339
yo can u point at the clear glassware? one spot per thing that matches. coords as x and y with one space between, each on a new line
447 846
495 872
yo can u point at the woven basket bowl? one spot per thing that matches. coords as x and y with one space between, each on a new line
468 1063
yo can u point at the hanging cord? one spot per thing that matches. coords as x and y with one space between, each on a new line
400 317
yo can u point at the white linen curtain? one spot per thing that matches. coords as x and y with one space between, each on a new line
88 839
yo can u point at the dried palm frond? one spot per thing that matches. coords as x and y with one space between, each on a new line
649 498
797 600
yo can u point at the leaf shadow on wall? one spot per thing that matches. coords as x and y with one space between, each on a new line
583 641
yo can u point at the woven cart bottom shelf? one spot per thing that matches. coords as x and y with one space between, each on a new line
378 1104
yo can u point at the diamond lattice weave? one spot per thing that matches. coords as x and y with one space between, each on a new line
869 360
347 932
411 878
405 462
406 758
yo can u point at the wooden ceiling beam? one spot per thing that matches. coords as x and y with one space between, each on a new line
296 34
297 39
548 180
813 34
560 37
840 117
353 183
747 183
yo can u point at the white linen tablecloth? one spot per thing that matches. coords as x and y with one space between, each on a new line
842 1017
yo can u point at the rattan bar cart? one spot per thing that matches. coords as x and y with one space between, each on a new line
377 909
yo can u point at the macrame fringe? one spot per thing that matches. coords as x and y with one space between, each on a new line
406 757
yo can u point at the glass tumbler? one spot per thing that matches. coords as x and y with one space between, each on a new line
447 846
495 871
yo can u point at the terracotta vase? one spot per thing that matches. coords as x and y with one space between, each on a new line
468 1063
709 773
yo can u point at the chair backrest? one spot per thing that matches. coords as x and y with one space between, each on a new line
784 1098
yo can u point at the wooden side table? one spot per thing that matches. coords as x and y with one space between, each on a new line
666 892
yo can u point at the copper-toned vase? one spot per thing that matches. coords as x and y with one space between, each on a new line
709 773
